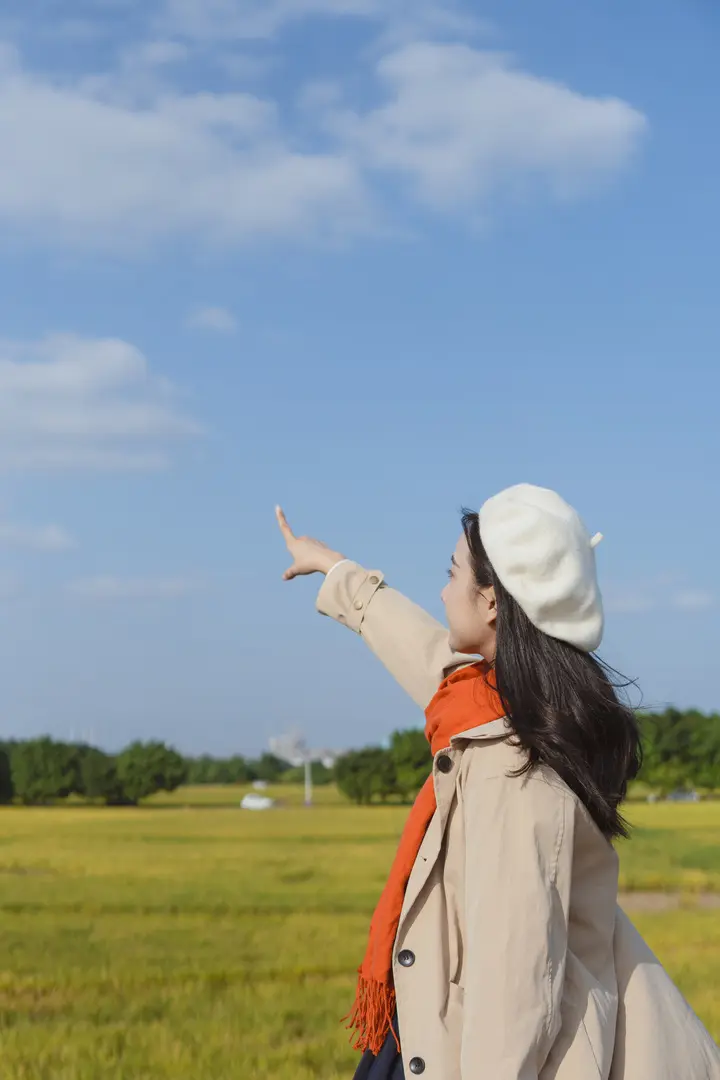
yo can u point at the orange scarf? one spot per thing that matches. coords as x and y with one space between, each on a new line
464 701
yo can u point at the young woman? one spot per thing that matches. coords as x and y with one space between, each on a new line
497 950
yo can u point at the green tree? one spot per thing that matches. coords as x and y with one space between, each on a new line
198 769
385 778
206 770
674 744
363 774
144 768
44 770
269 768
353 776
240 771
319 773
7 789
210 770
412 758
99 776
705 749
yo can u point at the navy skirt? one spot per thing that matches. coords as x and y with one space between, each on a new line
387 1065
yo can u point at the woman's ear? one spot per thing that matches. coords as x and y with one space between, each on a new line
491 605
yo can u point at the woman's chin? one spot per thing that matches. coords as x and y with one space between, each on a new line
459 645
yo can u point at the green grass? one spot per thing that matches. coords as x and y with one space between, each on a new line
674 847
188 939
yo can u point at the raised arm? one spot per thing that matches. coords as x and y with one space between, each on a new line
411 644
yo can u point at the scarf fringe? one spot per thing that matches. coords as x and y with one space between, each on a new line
372 1015
464 699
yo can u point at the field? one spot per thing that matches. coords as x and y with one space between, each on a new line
189 940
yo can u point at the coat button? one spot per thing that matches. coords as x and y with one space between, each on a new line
358 605
417 1066
374 580
406 958
444 763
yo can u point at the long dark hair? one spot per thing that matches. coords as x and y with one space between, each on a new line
562 703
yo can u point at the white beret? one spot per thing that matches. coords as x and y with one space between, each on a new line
544 556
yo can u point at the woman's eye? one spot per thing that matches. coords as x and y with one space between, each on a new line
449 573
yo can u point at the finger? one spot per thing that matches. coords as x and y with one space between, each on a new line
289 574
283 523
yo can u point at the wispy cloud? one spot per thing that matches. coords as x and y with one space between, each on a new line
35 538
115 588
694 600
72 402
218 319
657 596
93 167
631 601
257 19
154 54
462 124
130 157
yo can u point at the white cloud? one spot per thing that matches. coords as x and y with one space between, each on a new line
627 601
242 67
463 125
248 19
212 19
213 318
71 402
694 600
35 538
656 596
123 159
90 166
114 588
319 95
151 54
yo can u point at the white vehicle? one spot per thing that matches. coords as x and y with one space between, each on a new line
256 802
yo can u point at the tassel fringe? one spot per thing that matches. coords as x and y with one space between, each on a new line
372 1015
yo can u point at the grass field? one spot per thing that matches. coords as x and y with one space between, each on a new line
190 940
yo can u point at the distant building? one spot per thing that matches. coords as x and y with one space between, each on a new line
293 748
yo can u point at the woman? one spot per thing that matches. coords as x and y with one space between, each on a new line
497 951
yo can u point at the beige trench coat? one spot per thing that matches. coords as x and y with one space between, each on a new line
513 960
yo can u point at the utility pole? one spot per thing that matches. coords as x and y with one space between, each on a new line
292 748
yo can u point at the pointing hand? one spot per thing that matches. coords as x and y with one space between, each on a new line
309 556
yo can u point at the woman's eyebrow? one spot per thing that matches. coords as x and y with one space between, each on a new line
453 560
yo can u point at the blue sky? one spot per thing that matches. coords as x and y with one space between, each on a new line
374 261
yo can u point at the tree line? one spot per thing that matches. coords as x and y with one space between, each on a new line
44 770
681 751
37 771
239 770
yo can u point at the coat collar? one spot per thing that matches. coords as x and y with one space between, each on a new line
495 729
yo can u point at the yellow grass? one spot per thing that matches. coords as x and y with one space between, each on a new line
185 943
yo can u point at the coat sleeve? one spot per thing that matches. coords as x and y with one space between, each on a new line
518 860
411 644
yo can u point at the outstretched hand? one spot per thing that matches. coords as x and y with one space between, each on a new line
309 556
